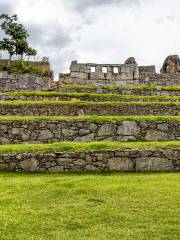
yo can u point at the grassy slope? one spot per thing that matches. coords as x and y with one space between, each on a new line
90 207
82 103
138 88
90 146
91 95
92 118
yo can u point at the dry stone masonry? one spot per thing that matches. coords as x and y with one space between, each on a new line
83 108
23 82
92 78
83 131
97 161
127 74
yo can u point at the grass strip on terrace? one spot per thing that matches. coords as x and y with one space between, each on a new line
82 103
90 146
136 88
91 118
171 88
90 95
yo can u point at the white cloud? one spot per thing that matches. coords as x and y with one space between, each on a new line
102 31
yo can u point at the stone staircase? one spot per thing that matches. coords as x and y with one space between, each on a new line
127 130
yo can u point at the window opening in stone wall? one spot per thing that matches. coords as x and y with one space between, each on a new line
93 69
89 76
104 70
115 70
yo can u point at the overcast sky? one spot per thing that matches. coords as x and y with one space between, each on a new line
102 31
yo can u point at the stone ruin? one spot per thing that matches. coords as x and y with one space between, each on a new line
119 75
101 74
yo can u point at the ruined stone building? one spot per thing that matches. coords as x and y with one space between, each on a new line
127 74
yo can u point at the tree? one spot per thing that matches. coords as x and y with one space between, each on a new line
8 45
31 52
17 41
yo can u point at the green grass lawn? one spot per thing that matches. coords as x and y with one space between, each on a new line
90 206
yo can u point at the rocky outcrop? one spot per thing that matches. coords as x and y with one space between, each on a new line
171 64
130 60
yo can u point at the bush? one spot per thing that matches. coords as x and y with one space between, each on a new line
23 67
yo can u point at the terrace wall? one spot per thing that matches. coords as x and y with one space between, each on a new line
84 89
53 131
83 97
102 109
23 82
104 161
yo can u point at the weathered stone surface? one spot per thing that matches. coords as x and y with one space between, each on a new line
4 140
129 128
87 138
122 164
103 109
45 134
85 131
23 82
56 169
105 130
171 64
114 160
153 164
130 60
81 74
153 135
29 165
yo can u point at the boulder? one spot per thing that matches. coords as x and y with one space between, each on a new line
171 64
130 60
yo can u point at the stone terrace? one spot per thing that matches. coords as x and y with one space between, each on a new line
54 134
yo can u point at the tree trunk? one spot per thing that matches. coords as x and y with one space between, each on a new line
9 61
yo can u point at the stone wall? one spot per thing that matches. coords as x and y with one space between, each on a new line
105 161
23 82
74 109
119 91
115 74
126 75
85 97
160 79
54 131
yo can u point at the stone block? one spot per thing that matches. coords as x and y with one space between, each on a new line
105 130
153 135
153 164
122 164
45 135
128 128
29 165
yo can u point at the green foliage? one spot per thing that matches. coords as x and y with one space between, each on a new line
17 41
22 67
